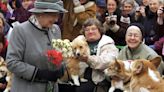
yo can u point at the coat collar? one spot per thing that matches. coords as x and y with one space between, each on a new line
105 40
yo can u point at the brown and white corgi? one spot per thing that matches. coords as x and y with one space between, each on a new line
145 77
119 72
5 72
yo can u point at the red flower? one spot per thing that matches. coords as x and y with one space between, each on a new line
55 57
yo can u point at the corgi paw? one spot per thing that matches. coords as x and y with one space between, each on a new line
83 80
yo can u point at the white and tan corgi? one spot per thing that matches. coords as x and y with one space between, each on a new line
74 66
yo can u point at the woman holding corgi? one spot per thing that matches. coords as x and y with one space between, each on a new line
102 50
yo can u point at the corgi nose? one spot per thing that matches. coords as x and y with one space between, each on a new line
78 54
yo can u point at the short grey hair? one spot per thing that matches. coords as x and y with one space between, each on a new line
90 22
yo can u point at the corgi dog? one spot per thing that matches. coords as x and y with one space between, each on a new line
75 68
145 76
119 72
4 72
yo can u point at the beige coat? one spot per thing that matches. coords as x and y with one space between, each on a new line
106 52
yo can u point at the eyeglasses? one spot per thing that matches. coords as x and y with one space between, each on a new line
134 35
92 29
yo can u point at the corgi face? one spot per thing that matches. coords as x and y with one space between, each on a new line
113 69
80 46
3 68
3 71
119 70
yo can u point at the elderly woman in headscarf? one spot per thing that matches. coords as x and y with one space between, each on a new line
26 56
135 48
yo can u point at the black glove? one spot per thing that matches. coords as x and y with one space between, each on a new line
50 75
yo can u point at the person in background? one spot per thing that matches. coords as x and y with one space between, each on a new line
79 11
26 56
160 14
128 8
103 50
3 45
21 8
118 20
145 2
150 22
2 23
3 40
5 28
3 7
135 48
112 18
3 50
158 45
100 10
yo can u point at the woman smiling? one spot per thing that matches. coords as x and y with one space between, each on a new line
135 48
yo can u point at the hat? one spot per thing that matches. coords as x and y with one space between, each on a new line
41 6
140 26
101 3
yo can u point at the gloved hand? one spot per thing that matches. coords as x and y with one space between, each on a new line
50 75
76 2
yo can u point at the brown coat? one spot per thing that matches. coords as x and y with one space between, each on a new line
71 29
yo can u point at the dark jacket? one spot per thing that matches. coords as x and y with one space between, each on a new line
119 36
150 25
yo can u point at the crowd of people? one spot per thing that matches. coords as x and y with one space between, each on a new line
122 29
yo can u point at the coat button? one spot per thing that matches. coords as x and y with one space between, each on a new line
48 44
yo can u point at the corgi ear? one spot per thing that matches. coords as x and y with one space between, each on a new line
117 64
156 61
139 65
1 60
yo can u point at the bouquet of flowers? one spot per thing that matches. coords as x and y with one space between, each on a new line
63 46
62 50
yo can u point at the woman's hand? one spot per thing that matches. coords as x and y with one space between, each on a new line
83 58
